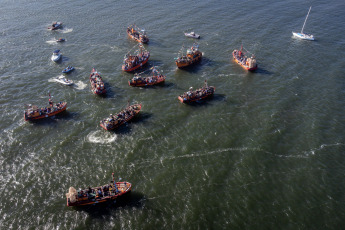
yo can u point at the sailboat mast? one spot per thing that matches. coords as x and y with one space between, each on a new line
305 20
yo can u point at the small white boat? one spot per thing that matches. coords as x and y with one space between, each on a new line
192 35
303 35
56 56
63 80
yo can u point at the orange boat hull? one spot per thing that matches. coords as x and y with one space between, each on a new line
190 62
243 65
46 115
135 67
145 41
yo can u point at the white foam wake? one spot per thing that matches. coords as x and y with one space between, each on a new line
51 42
52 79
80 85
66 30
101 137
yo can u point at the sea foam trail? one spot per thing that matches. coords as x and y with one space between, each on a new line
52 42
80 85
52 79
101 137
66 30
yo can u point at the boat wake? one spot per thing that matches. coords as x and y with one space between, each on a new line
52 79
115 48
52 42
80 85
66 30
231 74
100 137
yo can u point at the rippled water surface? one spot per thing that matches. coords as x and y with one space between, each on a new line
266 152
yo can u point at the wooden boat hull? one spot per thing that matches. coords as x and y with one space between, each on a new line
184 100
63 108
99 92
145 41
123 187
243 65
104 125
190 61
142 84
135 67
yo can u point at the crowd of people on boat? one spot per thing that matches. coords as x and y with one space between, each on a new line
199 93
98 192
240 56
123 116
193 54
244 60
156 78
132 61
137 34
35 112
97 83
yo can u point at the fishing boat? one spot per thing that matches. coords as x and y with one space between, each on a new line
302 35
247 63
192 35
97 85
56 56
99 194
113 122
137 34
192 56
137 60
60 40
197 95
35 113
68 69
55 26
63 80
154 78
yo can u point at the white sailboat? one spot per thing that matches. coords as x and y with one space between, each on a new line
303 35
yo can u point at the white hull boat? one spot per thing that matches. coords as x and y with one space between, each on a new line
302 35
63 80
56 56
192 35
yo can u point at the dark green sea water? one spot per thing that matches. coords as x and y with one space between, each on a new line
266 152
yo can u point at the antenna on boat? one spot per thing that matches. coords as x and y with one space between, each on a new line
113 178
